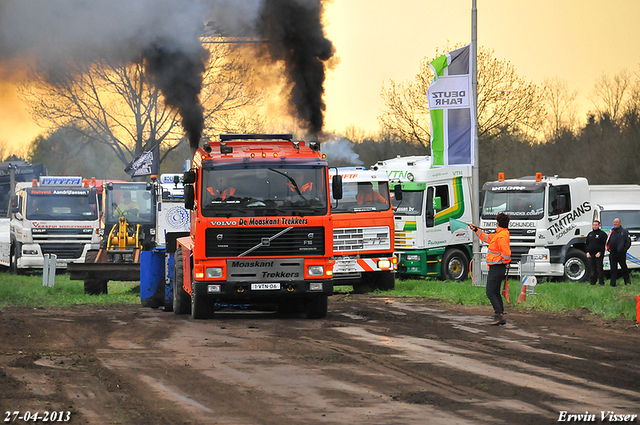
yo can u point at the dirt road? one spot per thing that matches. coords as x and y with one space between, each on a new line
373 360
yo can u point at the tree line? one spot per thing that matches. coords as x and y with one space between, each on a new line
102 116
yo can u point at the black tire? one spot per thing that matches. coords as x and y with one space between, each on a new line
368 283
455 265
386 281
317 307
181 301
95 286
201 305
576 267
13 260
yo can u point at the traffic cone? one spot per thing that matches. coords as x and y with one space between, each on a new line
505 290
523 294
638 308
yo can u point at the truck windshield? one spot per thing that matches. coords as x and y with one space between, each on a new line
629 219
264 191
519 205
131 201
411 203
362 197
60 204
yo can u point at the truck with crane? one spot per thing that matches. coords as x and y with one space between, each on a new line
261 228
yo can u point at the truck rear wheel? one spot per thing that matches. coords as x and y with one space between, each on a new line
455 265
386 281
181 301
317 307
575 268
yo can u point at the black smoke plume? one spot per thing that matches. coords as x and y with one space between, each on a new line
178 75
296 37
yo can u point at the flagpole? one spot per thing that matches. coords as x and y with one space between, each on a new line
475 176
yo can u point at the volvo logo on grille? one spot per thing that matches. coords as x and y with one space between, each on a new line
310 235
266 241
219 236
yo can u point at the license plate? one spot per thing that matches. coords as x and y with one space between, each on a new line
265 286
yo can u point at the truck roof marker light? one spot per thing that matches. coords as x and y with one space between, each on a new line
253 155
34 183
538 177
275 154
500 177
264 154
94 182
324 156
85 183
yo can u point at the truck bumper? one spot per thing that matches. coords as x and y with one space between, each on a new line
32 257
271 291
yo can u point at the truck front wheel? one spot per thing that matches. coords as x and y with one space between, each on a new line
201 306
455 265
575 268
181 301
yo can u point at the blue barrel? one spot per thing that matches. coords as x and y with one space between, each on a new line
152 277
168 288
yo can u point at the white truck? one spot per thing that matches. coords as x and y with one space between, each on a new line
550 220
623 202
52 215
363 226
424 240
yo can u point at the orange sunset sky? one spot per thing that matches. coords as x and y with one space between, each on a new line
382 40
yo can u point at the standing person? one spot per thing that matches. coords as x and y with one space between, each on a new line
596 245
498 259
618 244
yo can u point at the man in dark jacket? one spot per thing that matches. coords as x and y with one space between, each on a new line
618 244
596 245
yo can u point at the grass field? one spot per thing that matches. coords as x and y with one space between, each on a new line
608 302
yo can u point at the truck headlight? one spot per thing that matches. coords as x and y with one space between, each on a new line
152 232
384 264
539 257
315 286
214 272
30 251
315 270
413 257
213 289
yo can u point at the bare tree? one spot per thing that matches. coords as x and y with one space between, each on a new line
561 110
116 104
506 101
611 94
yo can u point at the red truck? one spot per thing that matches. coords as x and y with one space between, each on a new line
261 228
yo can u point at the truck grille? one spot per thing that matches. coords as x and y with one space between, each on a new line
65 251
261 242
361 239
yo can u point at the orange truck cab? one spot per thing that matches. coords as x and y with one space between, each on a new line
261 228
363 233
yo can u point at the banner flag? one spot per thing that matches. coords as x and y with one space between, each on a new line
146 164
452 109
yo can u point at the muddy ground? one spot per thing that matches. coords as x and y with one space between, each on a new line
373 360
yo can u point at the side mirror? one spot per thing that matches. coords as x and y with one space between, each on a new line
562 202
336 186
189 196
437 203
15 204
93 196
397 192
189 177
19 216
430 215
